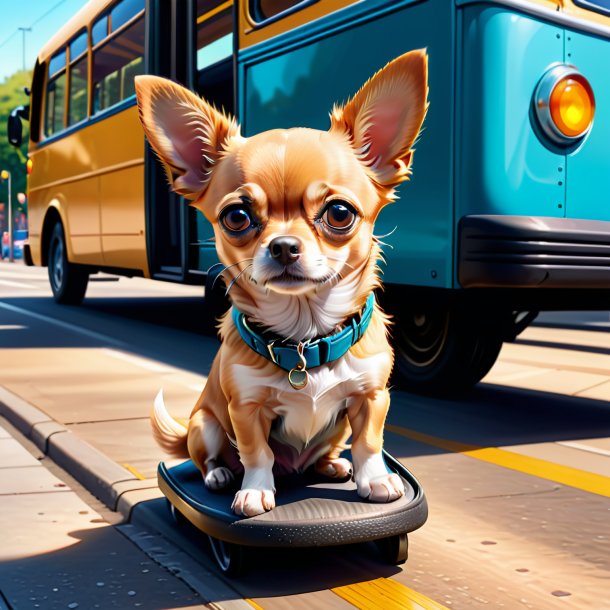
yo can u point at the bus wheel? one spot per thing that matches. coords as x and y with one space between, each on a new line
442 350
68 281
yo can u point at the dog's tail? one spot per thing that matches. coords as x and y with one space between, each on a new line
170 433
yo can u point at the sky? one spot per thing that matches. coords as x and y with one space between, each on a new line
45 17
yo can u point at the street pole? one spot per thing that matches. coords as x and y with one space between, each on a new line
6 175
23 31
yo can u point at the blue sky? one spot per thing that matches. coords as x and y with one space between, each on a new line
29 13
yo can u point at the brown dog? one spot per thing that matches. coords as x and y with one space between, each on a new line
293 214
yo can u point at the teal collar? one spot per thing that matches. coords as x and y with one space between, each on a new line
306 354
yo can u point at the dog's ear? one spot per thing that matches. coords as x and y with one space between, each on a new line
187 133
383 119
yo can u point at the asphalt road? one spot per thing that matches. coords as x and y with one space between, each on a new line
517 473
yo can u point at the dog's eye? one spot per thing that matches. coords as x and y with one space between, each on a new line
236 219
339 215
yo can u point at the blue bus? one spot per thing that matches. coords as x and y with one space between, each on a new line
505 215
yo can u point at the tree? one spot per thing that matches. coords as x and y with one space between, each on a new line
11 158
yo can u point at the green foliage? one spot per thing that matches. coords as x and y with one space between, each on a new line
11 158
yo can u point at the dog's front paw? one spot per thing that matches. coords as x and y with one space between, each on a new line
336 468
252 502
384 488
218 478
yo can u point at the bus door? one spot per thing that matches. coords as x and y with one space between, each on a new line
214 69
168 29
195 50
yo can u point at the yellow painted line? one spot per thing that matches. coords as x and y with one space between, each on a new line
387 594
214 11
566 475
134 471
254 604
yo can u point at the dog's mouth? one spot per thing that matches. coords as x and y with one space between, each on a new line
286 277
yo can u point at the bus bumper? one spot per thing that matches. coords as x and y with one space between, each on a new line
533 252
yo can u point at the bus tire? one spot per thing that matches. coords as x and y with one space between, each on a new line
444 350
68 281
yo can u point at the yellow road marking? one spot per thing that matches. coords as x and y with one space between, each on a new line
214 11
387 594
566 475
254 604
134 471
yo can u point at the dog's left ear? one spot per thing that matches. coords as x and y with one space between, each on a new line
188 134
383 119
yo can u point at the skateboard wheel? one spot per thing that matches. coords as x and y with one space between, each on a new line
177 517
395 549
229 557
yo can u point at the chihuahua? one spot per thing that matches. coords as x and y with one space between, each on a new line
304 359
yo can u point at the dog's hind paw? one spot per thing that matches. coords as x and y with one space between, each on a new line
335 468
386 488
218 478
252 502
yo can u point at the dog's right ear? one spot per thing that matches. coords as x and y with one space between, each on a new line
385 116
188 134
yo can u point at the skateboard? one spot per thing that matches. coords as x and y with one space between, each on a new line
310 511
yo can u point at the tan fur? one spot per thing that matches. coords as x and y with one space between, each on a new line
288 178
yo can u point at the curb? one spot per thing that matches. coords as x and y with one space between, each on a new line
115 486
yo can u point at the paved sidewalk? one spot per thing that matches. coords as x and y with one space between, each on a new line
58 552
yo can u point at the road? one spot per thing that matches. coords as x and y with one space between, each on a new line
517 473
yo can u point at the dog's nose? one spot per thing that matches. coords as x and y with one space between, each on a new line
285 249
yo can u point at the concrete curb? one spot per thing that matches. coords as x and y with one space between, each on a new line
103 477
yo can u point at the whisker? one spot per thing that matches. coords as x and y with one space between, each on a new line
335 258
230 267
332 276
387 234
383 243
238 276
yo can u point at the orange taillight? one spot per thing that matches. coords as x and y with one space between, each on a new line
572 105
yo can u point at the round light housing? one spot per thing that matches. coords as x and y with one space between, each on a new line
565 104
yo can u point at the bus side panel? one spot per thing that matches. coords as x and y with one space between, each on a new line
120 158
61 176
588 170
299 86
502 167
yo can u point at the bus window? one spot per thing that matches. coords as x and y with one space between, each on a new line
215 52
78 46
124 11
214 32
56 93
57 63
265 9
99 31
77 101
115 64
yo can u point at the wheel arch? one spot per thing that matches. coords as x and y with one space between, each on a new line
52 215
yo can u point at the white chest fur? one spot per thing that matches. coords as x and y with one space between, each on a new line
307 413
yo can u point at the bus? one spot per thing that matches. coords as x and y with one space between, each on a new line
506 213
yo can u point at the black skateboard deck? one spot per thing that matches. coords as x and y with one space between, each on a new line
310 511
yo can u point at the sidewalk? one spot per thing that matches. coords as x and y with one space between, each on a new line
58 552
119 489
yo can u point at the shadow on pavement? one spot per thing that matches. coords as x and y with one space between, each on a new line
165 329
95 572
494 415
274 572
